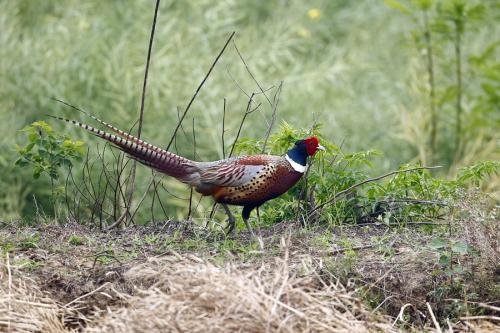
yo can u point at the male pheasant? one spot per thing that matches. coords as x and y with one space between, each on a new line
247 181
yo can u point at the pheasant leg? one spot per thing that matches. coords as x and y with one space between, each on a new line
230 219
249 228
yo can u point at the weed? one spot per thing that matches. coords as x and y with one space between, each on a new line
29 241
76 240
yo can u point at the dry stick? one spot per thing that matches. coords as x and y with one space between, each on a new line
432 94
480 318
191 190
199 88
436 324
244 92
245 115
458 74
141 118
251 75
87 294
276 100
179 123
158 196
9 274
355 248
349 189
223 129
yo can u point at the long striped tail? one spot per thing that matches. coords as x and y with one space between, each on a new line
159 159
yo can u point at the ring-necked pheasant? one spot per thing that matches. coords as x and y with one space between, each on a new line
246 181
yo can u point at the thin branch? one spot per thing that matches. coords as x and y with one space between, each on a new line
223 129
191 189
251 74
432 94
349 189
148 60
141 117
247 112
199 88
276 100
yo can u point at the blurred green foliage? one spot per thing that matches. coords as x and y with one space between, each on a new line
347 65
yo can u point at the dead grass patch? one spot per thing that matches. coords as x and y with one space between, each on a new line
24 307
194 296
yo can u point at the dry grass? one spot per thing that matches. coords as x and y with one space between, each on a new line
292 287
193 296
24 307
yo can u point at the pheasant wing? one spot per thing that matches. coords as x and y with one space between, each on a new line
233 172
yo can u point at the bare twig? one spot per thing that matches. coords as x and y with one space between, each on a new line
191 190
247 112
199 88
436 324
432 87
355 248
276 99
131 183
251 74
223 129
480 318
349 189
179 123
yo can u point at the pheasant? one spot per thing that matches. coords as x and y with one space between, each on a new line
247 181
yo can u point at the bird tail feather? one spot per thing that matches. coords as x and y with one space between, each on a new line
163 161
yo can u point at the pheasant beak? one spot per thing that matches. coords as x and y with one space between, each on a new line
320 147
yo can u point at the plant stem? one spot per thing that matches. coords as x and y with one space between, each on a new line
432 92
458 73
131 185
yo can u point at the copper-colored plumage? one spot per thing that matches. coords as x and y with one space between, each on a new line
246 181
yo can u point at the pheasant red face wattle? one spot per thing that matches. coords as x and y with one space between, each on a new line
312 145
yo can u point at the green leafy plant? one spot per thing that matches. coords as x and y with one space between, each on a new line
47 152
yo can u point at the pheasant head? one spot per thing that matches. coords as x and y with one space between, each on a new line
297 155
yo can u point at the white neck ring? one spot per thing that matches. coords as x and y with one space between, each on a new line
296 166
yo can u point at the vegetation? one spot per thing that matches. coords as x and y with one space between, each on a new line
401 209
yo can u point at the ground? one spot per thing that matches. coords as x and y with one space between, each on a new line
180 276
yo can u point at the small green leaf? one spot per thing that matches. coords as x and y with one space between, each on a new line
444 260
460 247
437 243
32 137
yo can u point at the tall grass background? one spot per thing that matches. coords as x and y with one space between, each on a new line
348 65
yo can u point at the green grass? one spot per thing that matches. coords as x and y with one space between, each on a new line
350 69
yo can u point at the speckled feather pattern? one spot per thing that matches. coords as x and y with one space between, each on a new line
265 177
